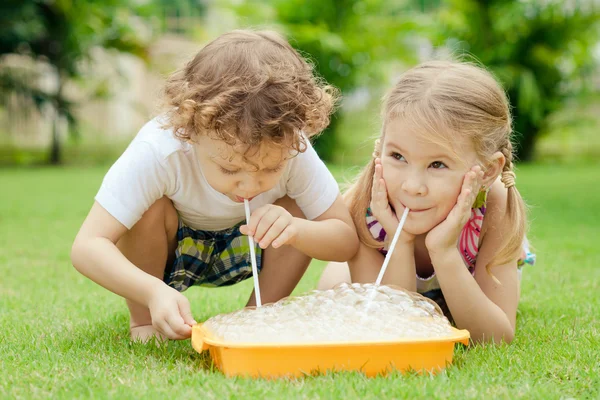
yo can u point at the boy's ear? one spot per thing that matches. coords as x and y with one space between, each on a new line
493 169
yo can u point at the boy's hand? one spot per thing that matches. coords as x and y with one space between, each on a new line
170 311
271 225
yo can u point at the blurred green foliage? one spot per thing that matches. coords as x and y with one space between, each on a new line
179 16
350 41
542 51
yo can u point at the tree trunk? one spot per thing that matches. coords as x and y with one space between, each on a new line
55 151
525 151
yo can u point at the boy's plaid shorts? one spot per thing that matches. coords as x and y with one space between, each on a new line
212 259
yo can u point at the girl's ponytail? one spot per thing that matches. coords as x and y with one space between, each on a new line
516 212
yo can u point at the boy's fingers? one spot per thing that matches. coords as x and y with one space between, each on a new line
274 231
164 328
255 218
284 237
186 312
264 225
178 327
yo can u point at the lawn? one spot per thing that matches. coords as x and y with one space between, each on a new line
63 336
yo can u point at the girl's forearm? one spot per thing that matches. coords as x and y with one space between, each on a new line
328 240
100 260
401 270
470 307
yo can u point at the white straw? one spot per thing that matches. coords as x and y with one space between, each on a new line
253 257
391 249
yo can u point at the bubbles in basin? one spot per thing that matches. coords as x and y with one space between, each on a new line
356 312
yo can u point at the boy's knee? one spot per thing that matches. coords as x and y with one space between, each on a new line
150 244
161 213
291 206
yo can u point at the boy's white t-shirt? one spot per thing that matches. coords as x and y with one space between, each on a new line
158 164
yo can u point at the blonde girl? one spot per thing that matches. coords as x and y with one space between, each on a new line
445 153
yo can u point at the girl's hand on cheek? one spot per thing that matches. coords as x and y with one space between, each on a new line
445 236
380 205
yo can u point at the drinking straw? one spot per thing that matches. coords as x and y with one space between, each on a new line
392 245
253 257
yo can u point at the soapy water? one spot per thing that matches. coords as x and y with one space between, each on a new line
346 313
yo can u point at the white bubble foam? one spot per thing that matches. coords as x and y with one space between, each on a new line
357 312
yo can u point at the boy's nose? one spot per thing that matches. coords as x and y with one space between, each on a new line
249 187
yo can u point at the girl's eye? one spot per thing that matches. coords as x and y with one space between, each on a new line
438 165
228 172
398 156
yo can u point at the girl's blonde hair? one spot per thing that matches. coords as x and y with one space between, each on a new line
247 86
449 99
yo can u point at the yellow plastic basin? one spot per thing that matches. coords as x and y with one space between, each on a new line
272 360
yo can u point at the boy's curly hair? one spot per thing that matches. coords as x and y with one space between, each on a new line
245 87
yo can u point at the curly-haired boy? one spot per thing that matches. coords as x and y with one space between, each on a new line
169 214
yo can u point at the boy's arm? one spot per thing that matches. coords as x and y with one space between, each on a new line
330 237
96 256
283 266
94 253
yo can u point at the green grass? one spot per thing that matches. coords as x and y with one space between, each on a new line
63 336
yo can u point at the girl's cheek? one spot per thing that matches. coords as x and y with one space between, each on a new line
392 176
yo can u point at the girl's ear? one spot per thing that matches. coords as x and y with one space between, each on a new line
493 168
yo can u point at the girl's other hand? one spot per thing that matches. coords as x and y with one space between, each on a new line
271 225
445 236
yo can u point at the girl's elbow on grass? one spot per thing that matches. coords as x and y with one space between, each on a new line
498 338
508 337
505 338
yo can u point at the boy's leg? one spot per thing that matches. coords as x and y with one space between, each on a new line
334 274
150 245
282 268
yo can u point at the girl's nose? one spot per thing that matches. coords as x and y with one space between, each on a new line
414 185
